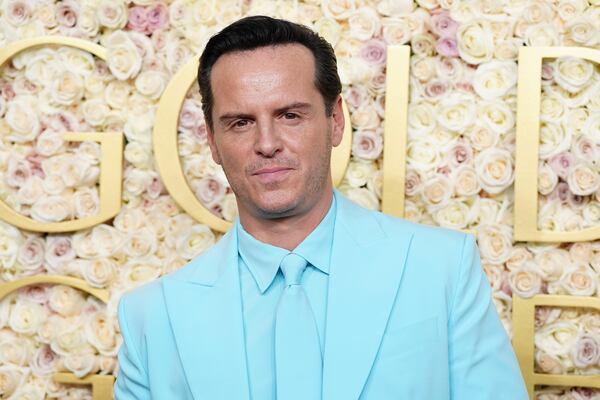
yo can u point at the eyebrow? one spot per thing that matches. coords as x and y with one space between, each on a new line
233 115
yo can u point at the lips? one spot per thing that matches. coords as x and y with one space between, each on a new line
272 174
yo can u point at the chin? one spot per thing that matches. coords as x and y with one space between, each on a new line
278 205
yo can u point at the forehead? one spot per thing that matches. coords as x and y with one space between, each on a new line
263 73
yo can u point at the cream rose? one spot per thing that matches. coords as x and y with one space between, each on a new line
357 173
11 378
65 300
436 191
422 154
229 207
558 338
21 117
140 244
195 241
455 114
95 112
465 181
30 191
583 31
99 272
86 202
475 41
135 273
106 239
454 215
551 263
112 13
396 31
573 74
421 119
494 169
495 242
151 83
26 317
548 364
363 197
525 281
542 34
329 29
496 115
583 180
51 209
495 79
579 281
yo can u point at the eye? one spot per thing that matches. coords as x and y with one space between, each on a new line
290 115
240 123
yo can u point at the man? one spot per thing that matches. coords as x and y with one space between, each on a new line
308 296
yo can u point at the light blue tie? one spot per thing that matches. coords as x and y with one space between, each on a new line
298 361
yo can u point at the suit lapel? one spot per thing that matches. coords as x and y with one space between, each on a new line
204 308
366 267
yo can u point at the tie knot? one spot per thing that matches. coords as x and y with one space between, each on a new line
293 267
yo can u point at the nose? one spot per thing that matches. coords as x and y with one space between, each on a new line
268 142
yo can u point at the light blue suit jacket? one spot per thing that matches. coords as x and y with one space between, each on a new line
409 316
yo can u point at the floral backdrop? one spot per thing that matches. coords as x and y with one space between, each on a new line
460 158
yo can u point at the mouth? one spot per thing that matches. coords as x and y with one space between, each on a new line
272 174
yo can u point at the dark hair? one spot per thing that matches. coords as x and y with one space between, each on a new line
260 31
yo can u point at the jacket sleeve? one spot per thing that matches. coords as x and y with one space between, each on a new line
482 362
132 378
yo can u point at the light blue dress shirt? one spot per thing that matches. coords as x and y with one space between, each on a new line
262 284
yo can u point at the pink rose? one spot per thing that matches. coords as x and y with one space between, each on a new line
43 361
199 131
367 144
356 97
585 353
560 164
158 17
58 252
560 192
155 187
436 89
210 192
35 162
547 72
585 149
460 154
31 253
374 52
443 26
18 12
446 47
66 15
18 172
7 91
190 114
412 183
35 293
137 19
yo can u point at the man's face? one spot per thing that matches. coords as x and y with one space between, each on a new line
270 132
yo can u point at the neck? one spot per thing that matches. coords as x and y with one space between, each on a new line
288 232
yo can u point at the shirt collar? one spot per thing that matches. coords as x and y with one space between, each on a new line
263 259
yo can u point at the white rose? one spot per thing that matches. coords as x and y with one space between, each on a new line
542 34
591 213
482 137
547 179
22 118
581 252
525 281
138 154
552 107
138 128
554 139
140 244
367 144
198 239
329 29
495 242
116 94
454 215
151 83
495 79
51 209
583 180
112 13
107 240
80 364
95 112
363 197
494 169
26 316
551 263
573 74
88 22
421 119
583 31
436 191
357 173
53 184
558 338
475 41
30 191
98 273
10 239
78 170
49 143
65 300
422 154
455 114
508 50
395 7
229 207
136 181
338 9
129 219
11 378
579 281
465 181
569 9
67 88
396 31
69 340
101 334
364 23
496 115
86 202
135 273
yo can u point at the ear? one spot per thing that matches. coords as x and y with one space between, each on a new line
337 114
210 137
